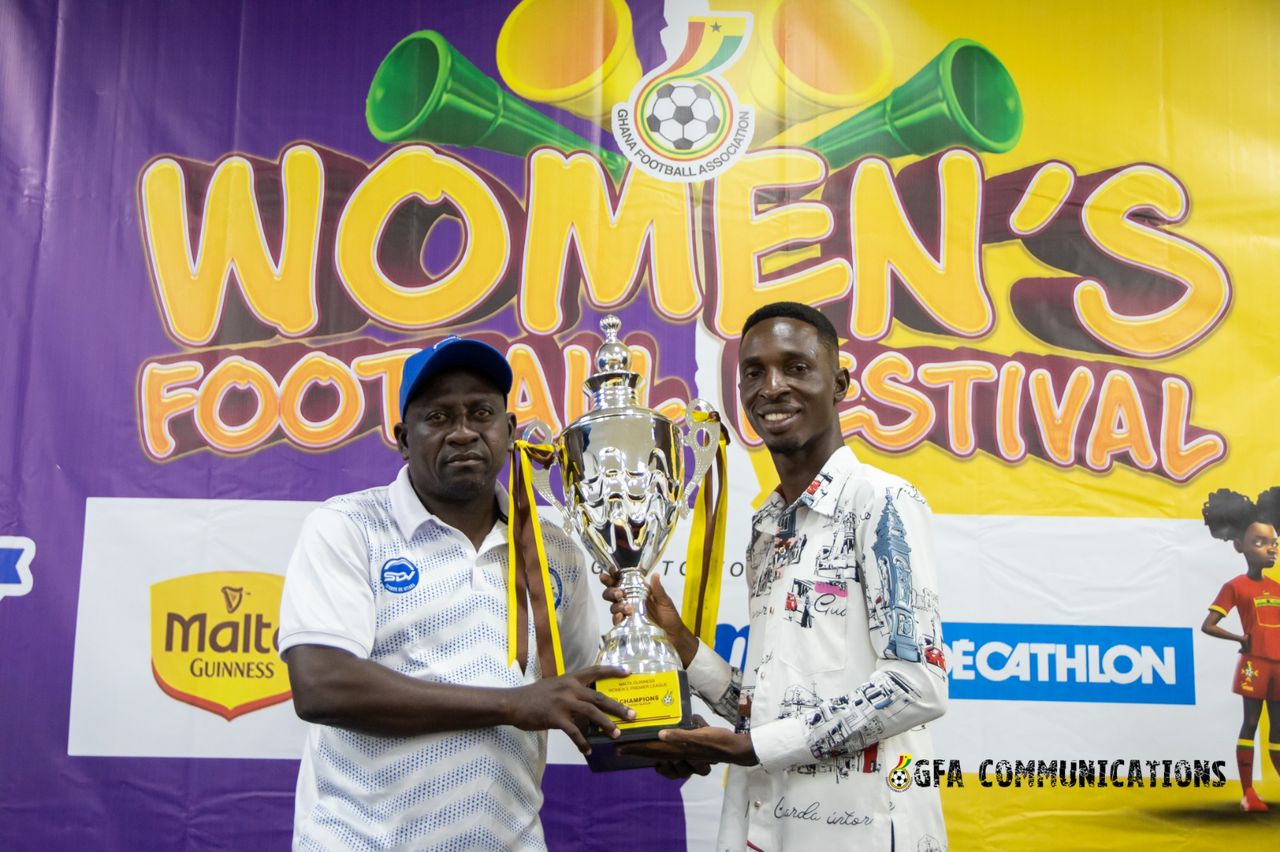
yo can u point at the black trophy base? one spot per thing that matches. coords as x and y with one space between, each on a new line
660 703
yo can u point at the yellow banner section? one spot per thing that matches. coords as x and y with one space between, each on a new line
1189 819
1164 87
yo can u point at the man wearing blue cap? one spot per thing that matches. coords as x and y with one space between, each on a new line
394 626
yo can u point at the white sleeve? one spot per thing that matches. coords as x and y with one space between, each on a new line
327 598
719 683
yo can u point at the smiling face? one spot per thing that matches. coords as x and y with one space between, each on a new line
790 382
1258 544
455 436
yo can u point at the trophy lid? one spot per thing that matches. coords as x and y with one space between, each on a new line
614 384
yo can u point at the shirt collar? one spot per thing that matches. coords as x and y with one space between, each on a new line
822 495
410 514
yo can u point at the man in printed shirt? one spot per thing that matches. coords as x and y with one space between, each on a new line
394 626
844 665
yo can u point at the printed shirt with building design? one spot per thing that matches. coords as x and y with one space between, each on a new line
844 666
1258 602
444 619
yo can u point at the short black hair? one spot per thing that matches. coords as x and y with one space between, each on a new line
1228 514
802 313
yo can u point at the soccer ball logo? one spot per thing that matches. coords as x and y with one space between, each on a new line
899 778
682 121
683 114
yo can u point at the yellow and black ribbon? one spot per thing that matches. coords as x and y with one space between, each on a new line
527 571
704 560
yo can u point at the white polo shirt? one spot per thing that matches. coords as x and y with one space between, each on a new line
377 575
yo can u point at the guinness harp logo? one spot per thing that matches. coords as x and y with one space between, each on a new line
233 595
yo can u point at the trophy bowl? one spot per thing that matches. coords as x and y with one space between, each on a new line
623 469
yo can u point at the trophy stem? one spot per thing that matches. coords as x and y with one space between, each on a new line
635 591
637 643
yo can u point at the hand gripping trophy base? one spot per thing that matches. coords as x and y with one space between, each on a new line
604 755
657 688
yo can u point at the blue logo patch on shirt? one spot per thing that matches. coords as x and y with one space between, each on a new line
557 587
399 575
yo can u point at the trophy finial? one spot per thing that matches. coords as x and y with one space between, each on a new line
610 326
612 356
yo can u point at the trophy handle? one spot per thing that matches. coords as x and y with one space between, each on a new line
703 438
538 432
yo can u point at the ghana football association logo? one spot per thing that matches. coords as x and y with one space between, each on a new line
899 777
682 122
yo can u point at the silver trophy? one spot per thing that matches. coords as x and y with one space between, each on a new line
622 468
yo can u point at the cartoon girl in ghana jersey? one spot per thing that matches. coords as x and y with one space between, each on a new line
1251 528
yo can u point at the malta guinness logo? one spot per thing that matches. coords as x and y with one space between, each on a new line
214 639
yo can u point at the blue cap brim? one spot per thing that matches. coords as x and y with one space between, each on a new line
453 354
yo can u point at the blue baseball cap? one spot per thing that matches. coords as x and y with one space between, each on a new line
450 354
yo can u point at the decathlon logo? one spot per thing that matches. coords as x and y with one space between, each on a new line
1062 662
16 553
